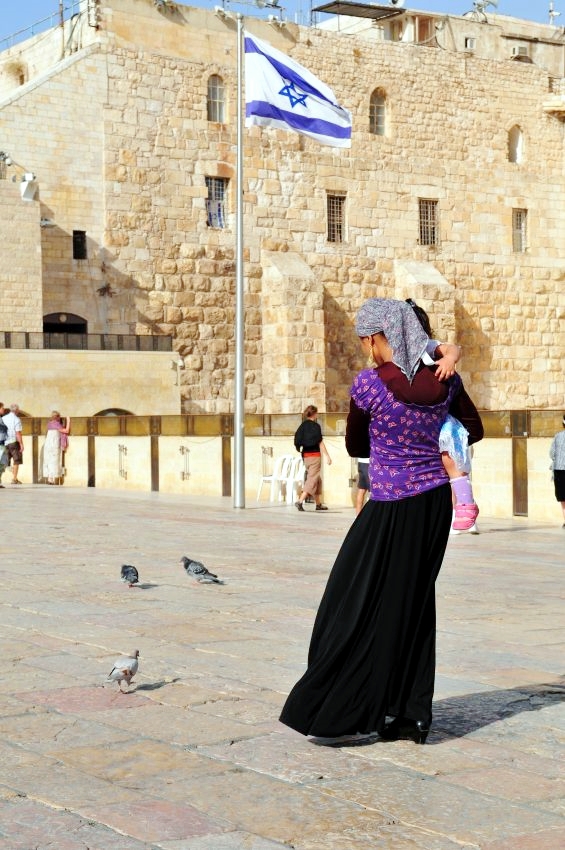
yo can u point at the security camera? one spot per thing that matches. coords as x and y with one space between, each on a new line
398 3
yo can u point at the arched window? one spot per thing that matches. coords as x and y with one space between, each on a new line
377 113
216 99
515 144
64 323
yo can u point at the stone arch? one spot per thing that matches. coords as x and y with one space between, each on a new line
17 71
61 322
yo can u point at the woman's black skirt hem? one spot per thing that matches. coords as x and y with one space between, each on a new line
372 651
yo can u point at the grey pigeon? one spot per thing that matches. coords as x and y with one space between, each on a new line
198 571
124 669
129 574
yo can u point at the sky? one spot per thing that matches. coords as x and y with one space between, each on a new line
22 14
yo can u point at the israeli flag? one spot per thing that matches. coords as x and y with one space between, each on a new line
281 93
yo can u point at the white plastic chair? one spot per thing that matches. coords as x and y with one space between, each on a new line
266 468
277 478
280 477
295 480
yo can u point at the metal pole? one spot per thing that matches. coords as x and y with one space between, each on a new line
62 24
239 414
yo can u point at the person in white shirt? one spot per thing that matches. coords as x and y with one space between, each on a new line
14 440
557 455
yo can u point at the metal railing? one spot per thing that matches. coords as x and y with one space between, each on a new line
85 342
70 8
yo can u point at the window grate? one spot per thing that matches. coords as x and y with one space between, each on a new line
215 203
519 230
428 221
336 224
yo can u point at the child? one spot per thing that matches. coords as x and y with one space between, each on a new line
453 438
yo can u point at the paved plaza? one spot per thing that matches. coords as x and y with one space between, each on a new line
193 757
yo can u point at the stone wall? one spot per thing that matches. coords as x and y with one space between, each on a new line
84 383
20 261
137 186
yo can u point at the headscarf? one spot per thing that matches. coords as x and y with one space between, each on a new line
400 325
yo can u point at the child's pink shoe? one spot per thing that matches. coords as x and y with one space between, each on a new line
465 516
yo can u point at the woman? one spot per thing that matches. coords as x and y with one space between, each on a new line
372 652
55 444
309 441
557 455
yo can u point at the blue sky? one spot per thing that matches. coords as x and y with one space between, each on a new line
20 15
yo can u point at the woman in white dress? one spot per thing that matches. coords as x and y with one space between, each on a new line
56 442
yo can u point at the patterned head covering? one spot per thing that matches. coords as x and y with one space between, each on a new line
400 325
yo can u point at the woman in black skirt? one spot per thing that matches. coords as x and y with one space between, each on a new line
372 651
557 455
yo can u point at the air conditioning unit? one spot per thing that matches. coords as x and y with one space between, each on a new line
520 50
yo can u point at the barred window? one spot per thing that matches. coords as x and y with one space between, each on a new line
215 203
428 221
216 99
519 230
377 113
336 218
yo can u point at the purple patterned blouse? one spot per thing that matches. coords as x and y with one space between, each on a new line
405 456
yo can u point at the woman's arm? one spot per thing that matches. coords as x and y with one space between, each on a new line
463 409
324 451
357 432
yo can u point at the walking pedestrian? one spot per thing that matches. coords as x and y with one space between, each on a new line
557 455
309 441
14 440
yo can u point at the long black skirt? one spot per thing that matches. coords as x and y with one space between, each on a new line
559 484
372 651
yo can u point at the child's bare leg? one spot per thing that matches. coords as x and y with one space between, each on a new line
450 466
466 510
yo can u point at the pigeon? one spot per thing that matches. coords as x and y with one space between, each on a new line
199 572
129 574
124 669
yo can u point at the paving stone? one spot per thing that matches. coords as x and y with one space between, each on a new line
409 797
227 841
156 820
193 758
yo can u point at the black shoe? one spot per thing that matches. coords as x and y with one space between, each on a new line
405 729
321 507
299 506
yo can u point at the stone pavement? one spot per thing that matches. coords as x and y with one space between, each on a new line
193 758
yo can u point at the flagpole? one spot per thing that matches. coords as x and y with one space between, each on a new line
239 401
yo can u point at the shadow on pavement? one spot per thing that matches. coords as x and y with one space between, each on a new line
456 717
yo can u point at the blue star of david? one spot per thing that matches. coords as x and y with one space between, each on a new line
293 96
